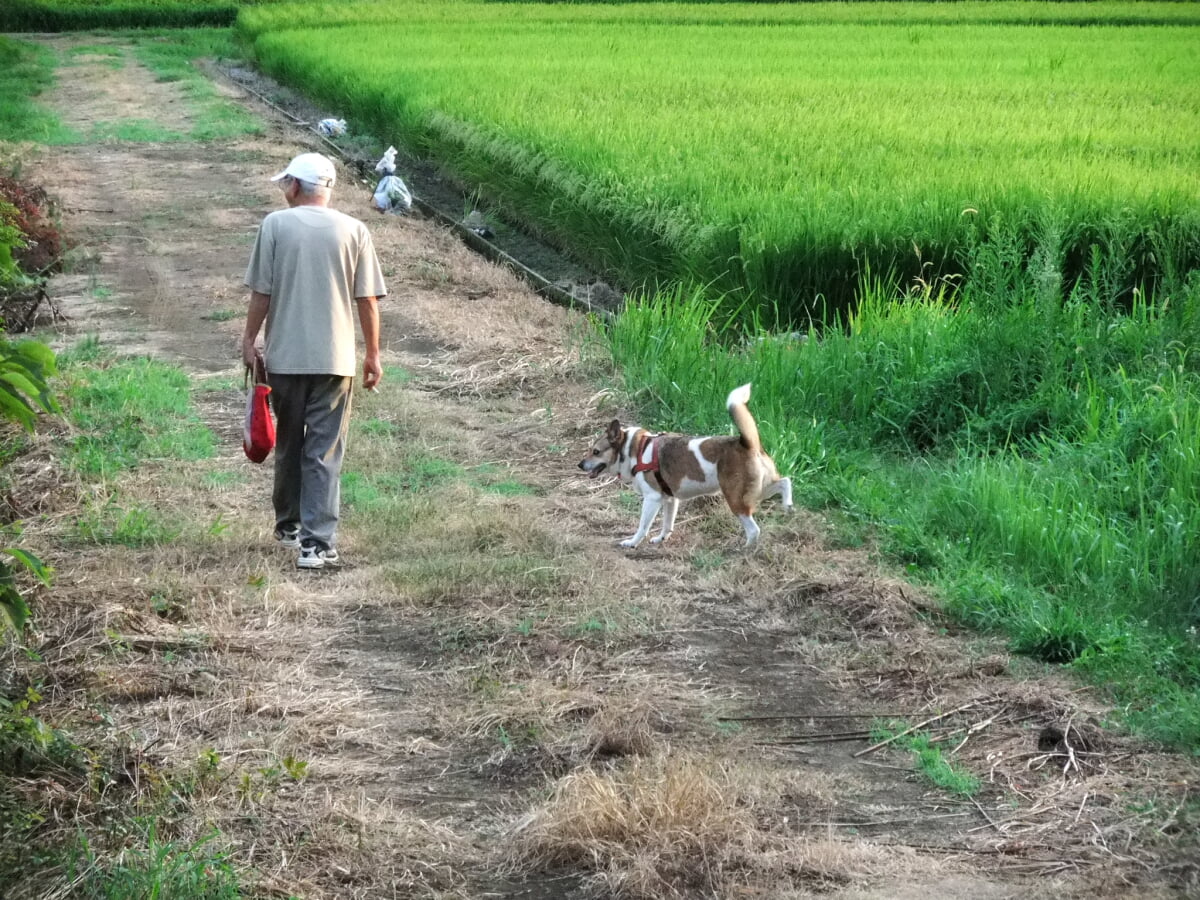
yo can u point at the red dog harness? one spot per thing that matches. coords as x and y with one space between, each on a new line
652 465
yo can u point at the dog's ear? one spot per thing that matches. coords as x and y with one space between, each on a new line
614 432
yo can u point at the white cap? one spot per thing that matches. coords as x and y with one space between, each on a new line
311 167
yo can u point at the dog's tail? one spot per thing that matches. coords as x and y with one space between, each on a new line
736 404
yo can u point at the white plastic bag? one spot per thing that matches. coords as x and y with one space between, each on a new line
391 194
331 127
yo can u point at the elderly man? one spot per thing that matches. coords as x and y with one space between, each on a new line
311 269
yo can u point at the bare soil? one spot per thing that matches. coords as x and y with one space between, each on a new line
683 721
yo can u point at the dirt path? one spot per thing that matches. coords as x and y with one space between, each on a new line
495 701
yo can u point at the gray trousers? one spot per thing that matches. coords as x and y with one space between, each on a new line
312 416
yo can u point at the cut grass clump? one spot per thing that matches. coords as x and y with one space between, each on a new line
678 826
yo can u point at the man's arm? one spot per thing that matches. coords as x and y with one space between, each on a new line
255 316
368 316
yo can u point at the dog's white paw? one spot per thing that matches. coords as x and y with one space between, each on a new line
630 543
659 539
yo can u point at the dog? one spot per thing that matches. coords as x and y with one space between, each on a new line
668 468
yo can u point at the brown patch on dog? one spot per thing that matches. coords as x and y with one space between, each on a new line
677 462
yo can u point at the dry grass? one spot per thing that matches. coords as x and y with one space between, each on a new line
679 826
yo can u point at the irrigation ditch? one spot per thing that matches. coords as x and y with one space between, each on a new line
548 270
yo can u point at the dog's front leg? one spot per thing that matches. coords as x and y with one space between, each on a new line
670 507
651 503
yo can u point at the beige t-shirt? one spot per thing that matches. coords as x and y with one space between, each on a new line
314 262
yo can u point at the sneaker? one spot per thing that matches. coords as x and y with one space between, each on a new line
288 536
315 555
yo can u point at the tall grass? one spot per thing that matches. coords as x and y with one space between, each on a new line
1033 456
775 157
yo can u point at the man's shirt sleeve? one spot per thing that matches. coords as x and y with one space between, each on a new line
368 276
262 259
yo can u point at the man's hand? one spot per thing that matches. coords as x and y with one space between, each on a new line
372 371
251 352
255 315
368 316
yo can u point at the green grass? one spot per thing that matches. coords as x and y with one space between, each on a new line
142 131
129 411
112 57
447 531
171 55
25 72
929 759
782 152
151 867
136 527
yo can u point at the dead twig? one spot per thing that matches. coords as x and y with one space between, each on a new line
916 727
807 716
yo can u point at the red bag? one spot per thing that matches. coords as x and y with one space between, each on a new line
258 437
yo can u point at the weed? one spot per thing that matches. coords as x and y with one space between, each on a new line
223 315
136 527
151 867
222 479
707 560
930 761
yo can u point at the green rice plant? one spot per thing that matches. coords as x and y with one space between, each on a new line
254 19
74 15
783 156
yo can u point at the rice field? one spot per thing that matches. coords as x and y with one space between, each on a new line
782 152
